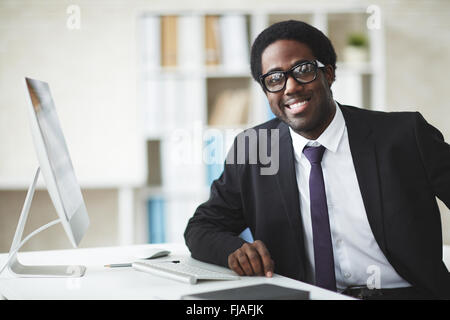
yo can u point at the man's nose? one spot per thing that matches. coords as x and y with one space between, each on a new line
292 85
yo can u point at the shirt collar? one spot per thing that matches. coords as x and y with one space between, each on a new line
330 138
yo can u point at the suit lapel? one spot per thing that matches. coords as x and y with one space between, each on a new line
287 186
363 150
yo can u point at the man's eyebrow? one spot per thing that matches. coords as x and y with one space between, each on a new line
294 64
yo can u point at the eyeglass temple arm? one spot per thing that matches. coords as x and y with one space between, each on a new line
320 64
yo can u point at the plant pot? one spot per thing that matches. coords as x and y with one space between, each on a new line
354 54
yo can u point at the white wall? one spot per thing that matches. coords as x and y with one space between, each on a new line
92 76
418 60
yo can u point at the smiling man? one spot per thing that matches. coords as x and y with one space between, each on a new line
354 199
307 111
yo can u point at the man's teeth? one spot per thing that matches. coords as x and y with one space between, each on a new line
298 104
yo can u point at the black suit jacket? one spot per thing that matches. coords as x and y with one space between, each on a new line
402 164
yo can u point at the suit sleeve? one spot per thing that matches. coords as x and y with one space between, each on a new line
435 153
213 231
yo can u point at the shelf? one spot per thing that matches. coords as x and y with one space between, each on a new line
194 91
150 191
203 72
222 72
355 67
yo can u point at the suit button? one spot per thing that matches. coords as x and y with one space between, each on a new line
347 275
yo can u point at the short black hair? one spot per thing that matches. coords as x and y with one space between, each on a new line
299 31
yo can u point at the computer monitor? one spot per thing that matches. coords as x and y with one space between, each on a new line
60 180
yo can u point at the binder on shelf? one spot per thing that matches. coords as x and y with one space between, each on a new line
156 220
150 26
190 43
154 115
171 102
192 91
182 169
234 43
212 40
154 163
214 156
181 103
218 143
169 41
231 108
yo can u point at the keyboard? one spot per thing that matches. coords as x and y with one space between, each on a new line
181 271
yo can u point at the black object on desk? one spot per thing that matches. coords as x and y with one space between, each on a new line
255 292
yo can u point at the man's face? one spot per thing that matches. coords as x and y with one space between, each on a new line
306 108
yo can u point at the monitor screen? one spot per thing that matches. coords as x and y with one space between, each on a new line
54 159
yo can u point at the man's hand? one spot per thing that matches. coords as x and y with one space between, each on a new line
251 259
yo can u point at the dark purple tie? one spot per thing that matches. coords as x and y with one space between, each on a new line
323 248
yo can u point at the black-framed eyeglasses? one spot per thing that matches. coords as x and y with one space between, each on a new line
304 72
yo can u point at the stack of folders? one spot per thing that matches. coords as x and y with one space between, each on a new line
264 291
190 41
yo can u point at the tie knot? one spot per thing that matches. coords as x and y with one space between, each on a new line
314 154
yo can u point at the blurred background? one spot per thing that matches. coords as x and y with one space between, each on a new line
151 93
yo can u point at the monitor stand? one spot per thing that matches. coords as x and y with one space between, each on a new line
20 270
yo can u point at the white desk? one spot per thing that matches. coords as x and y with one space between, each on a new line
123 283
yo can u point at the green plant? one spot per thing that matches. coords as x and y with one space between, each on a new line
358 40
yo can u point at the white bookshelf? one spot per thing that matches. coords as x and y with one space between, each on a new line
180 98
106 95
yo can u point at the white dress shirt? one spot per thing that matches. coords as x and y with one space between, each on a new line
358 259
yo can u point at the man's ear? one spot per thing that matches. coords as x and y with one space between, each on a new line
329 74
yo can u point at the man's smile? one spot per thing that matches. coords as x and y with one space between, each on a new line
297 105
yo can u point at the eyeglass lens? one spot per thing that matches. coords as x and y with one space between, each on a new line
303 73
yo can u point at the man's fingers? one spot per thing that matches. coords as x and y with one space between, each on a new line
264 254
233 264
238 262
251 259
254 259
244 262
